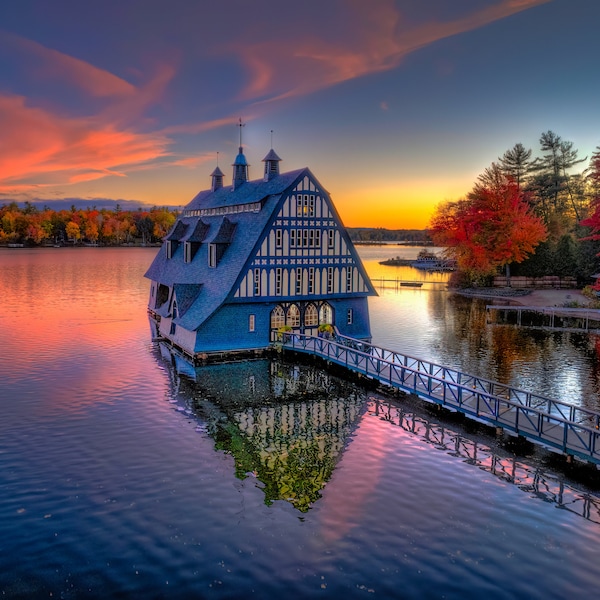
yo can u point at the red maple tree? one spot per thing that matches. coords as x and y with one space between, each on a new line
494 227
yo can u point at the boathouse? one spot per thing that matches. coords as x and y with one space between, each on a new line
245 261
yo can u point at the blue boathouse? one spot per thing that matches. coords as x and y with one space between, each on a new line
245 260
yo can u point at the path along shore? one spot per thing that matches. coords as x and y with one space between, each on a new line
538 298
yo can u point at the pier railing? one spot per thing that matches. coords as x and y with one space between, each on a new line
562 426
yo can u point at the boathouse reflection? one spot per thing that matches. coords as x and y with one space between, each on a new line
285 424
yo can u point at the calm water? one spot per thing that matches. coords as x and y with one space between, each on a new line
126 473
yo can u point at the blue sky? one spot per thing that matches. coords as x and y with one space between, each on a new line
395 105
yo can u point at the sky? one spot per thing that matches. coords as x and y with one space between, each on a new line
394 105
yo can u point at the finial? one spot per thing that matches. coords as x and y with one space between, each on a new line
271 139
241 125
217 158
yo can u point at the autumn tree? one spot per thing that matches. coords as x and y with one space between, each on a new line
490 229
592 221
73 231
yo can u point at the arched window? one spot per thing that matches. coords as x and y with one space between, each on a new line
293 316
326 314
277 317
311 316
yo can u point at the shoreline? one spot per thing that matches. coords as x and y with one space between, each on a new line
540 298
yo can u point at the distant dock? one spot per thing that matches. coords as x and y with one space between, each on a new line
551 317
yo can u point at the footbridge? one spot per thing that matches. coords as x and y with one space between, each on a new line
559 426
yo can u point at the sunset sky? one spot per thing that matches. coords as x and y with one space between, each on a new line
395 105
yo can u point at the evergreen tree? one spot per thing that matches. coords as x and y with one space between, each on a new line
516 163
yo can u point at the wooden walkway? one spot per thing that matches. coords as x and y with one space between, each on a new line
550 317
559 426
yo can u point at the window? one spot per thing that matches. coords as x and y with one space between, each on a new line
293 316
311 206
331 238
305 238
170 249
311 280
278 238
348 279
311 316
299 206
329 280
278 281
293 238
257 282
326 314
311 238
298 281
187 252
251 322
350 316
317 238
277 317
212 255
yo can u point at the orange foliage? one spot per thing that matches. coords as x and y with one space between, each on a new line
492 228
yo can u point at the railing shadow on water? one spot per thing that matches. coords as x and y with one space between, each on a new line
527 477
561 426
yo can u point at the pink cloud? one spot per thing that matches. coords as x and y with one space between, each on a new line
41 147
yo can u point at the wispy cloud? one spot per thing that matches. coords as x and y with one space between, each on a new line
48 64
374 39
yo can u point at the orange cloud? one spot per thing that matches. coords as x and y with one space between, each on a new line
374 40
43 146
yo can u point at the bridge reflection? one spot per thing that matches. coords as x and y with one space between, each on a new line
511 469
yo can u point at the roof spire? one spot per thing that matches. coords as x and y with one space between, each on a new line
240 126
240 166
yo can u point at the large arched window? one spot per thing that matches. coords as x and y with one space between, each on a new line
293 316
277 317
326 314
311 316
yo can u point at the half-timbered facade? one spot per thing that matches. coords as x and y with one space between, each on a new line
245 260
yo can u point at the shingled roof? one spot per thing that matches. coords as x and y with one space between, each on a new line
241 230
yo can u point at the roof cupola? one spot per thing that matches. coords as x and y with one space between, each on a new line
217 179
271 161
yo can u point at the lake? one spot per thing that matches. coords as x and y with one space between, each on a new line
126 472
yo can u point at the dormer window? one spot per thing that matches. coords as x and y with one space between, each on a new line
171 247
220 242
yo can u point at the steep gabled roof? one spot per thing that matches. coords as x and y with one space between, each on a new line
241 230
